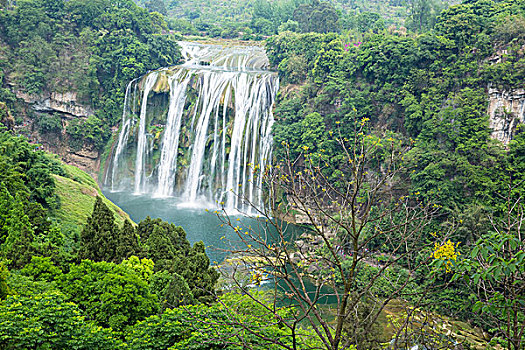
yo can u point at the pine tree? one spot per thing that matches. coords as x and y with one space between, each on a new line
98 238
145 228
174 290
127 242
166 244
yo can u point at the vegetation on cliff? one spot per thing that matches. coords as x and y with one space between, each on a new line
90 49
424 95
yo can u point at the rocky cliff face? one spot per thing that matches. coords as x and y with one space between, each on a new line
64 103
506 111
67 106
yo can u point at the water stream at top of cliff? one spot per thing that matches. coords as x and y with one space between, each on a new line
199 132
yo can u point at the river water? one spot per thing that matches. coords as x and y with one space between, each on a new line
200 224
203 225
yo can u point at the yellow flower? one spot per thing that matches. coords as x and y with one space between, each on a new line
447 252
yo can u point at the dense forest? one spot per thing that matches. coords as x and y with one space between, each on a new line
383 141
261 18
91 48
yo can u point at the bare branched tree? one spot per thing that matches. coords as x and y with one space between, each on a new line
362 241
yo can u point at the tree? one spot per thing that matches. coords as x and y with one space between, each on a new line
160 248
157 6
5 116
4 288
171 289
167 246
18 246
317 16
495 272
289 26
41 269
357 222
369 21
98 236
127 242
423 14
48 321
228 324
113 295
196 270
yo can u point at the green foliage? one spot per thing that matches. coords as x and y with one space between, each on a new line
93 130
126 242
423 14
369 22
493 270
27 170
429 91
167 246
98 238
42 269
5 115
113 295
27 196
92 48
224 325
4 288
171 289
48 321
49 124
17 247
285 46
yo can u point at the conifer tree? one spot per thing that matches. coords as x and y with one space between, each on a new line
168 247
98 238
127 242
18 246
197 272
160 249
172 290
145 228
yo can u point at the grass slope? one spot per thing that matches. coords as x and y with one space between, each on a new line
77 196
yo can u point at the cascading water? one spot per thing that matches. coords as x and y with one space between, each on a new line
203 129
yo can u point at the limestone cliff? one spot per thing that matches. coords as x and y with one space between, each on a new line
68 107
506 111
64 103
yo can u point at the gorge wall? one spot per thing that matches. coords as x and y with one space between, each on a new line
506 108
64 108
506 111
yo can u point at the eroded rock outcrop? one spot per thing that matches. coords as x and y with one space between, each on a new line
506 112
64 103
68 107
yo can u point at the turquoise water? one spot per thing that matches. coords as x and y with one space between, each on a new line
202 225
199 224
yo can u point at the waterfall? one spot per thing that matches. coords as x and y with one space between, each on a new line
203 134
170 141
141 143
123 136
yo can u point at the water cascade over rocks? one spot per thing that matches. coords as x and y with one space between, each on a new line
200 131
